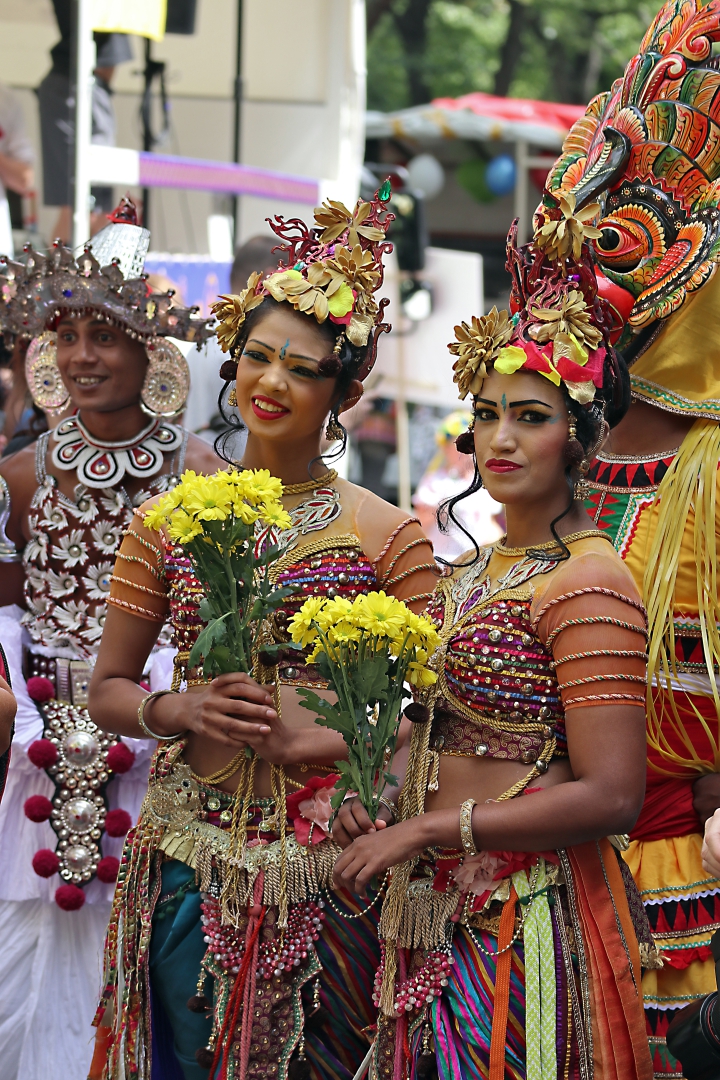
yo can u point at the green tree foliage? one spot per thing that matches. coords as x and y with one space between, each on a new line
556 50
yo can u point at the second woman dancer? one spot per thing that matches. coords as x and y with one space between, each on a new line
509 951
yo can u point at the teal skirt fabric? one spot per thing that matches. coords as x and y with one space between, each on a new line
177 947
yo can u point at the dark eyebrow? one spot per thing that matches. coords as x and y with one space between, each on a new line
486 402
299 356
530 401
259 342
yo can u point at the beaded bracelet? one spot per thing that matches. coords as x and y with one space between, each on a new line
466 833
141 716
389 806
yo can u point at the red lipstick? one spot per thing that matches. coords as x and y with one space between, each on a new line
266 408
501 465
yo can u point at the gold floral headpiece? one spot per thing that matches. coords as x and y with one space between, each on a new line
563 345
330 271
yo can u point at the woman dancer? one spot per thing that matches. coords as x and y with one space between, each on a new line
508 947
299 961
99 348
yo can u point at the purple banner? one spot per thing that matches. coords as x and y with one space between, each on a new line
164 170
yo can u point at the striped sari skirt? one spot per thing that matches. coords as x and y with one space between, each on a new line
541 990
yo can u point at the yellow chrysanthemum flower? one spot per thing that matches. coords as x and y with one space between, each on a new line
300 626
273 513
380 614
183 527
419 675
207 499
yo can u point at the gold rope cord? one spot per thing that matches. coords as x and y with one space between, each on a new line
689 483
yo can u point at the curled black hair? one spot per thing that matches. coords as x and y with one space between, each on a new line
350 357
612 401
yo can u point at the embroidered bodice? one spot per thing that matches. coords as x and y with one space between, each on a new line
517 655
70 556
154 579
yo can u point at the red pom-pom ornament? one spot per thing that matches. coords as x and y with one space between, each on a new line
40 689
117 822
120 758
69 897
43 753
38 808
45 863
107 869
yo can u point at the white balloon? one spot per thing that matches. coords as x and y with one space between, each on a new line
426 175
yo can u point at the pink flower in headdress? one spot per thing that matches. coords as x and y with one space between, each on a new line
309 809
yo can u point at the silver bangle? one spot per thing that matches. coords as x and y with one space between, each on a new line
466 833
141 716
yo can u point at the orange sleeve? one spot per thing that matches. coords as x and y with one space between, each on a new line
138 583
592 620
406 567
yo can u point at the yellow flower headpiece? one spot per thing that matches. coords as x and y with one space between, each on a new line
330 271
476 347
232 311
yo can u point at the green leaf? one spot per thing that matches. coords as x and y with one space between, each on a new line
371 682
327 715
214 632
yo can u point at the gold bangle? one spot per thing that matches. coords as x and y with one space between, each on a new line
466 833
389 806
141 716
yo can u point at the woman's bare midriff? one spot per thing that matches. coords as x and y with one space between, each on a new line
481 779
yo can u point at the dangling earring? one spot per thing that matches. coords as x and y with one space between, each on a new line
465 442
232 398
581 490
167 380
43 375
334 432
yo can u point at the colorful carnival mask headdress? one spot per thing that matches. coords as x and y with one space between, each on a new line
560 327
329 271
107 280
649 151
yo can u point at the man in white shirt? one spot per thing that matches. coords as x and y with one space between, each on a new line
16 162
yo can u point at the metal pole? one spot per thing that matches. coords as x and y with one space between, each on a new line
237 131
402 431
147 126
521 190
85 65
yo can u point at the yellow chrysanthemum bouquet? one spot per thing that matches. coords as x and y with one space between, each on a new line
216 520
368 650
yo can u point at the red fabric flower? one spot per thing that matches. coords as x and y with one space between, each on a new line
569 371
38 808
107 869
69 897
309 809
120 758
117 822
43 753
45 863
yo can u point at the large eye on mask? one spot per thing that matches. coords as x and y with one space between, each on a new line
619 248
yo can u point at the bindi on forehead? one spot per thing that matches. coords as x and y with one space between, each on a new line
284 349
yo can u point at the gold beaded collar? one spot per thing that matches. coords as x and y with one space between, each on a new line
549 545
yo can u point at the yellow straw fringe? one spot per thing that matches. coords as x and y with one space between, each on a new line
689 483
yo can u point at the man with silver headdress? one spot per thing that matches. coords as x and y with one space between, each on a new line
102 359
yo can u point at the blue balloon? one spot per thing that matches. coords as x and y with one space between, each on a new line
501 174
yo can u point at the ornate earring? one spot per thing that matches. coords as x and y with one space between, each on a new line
43 375
465 442
167 380
334 432
581 490
232 398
